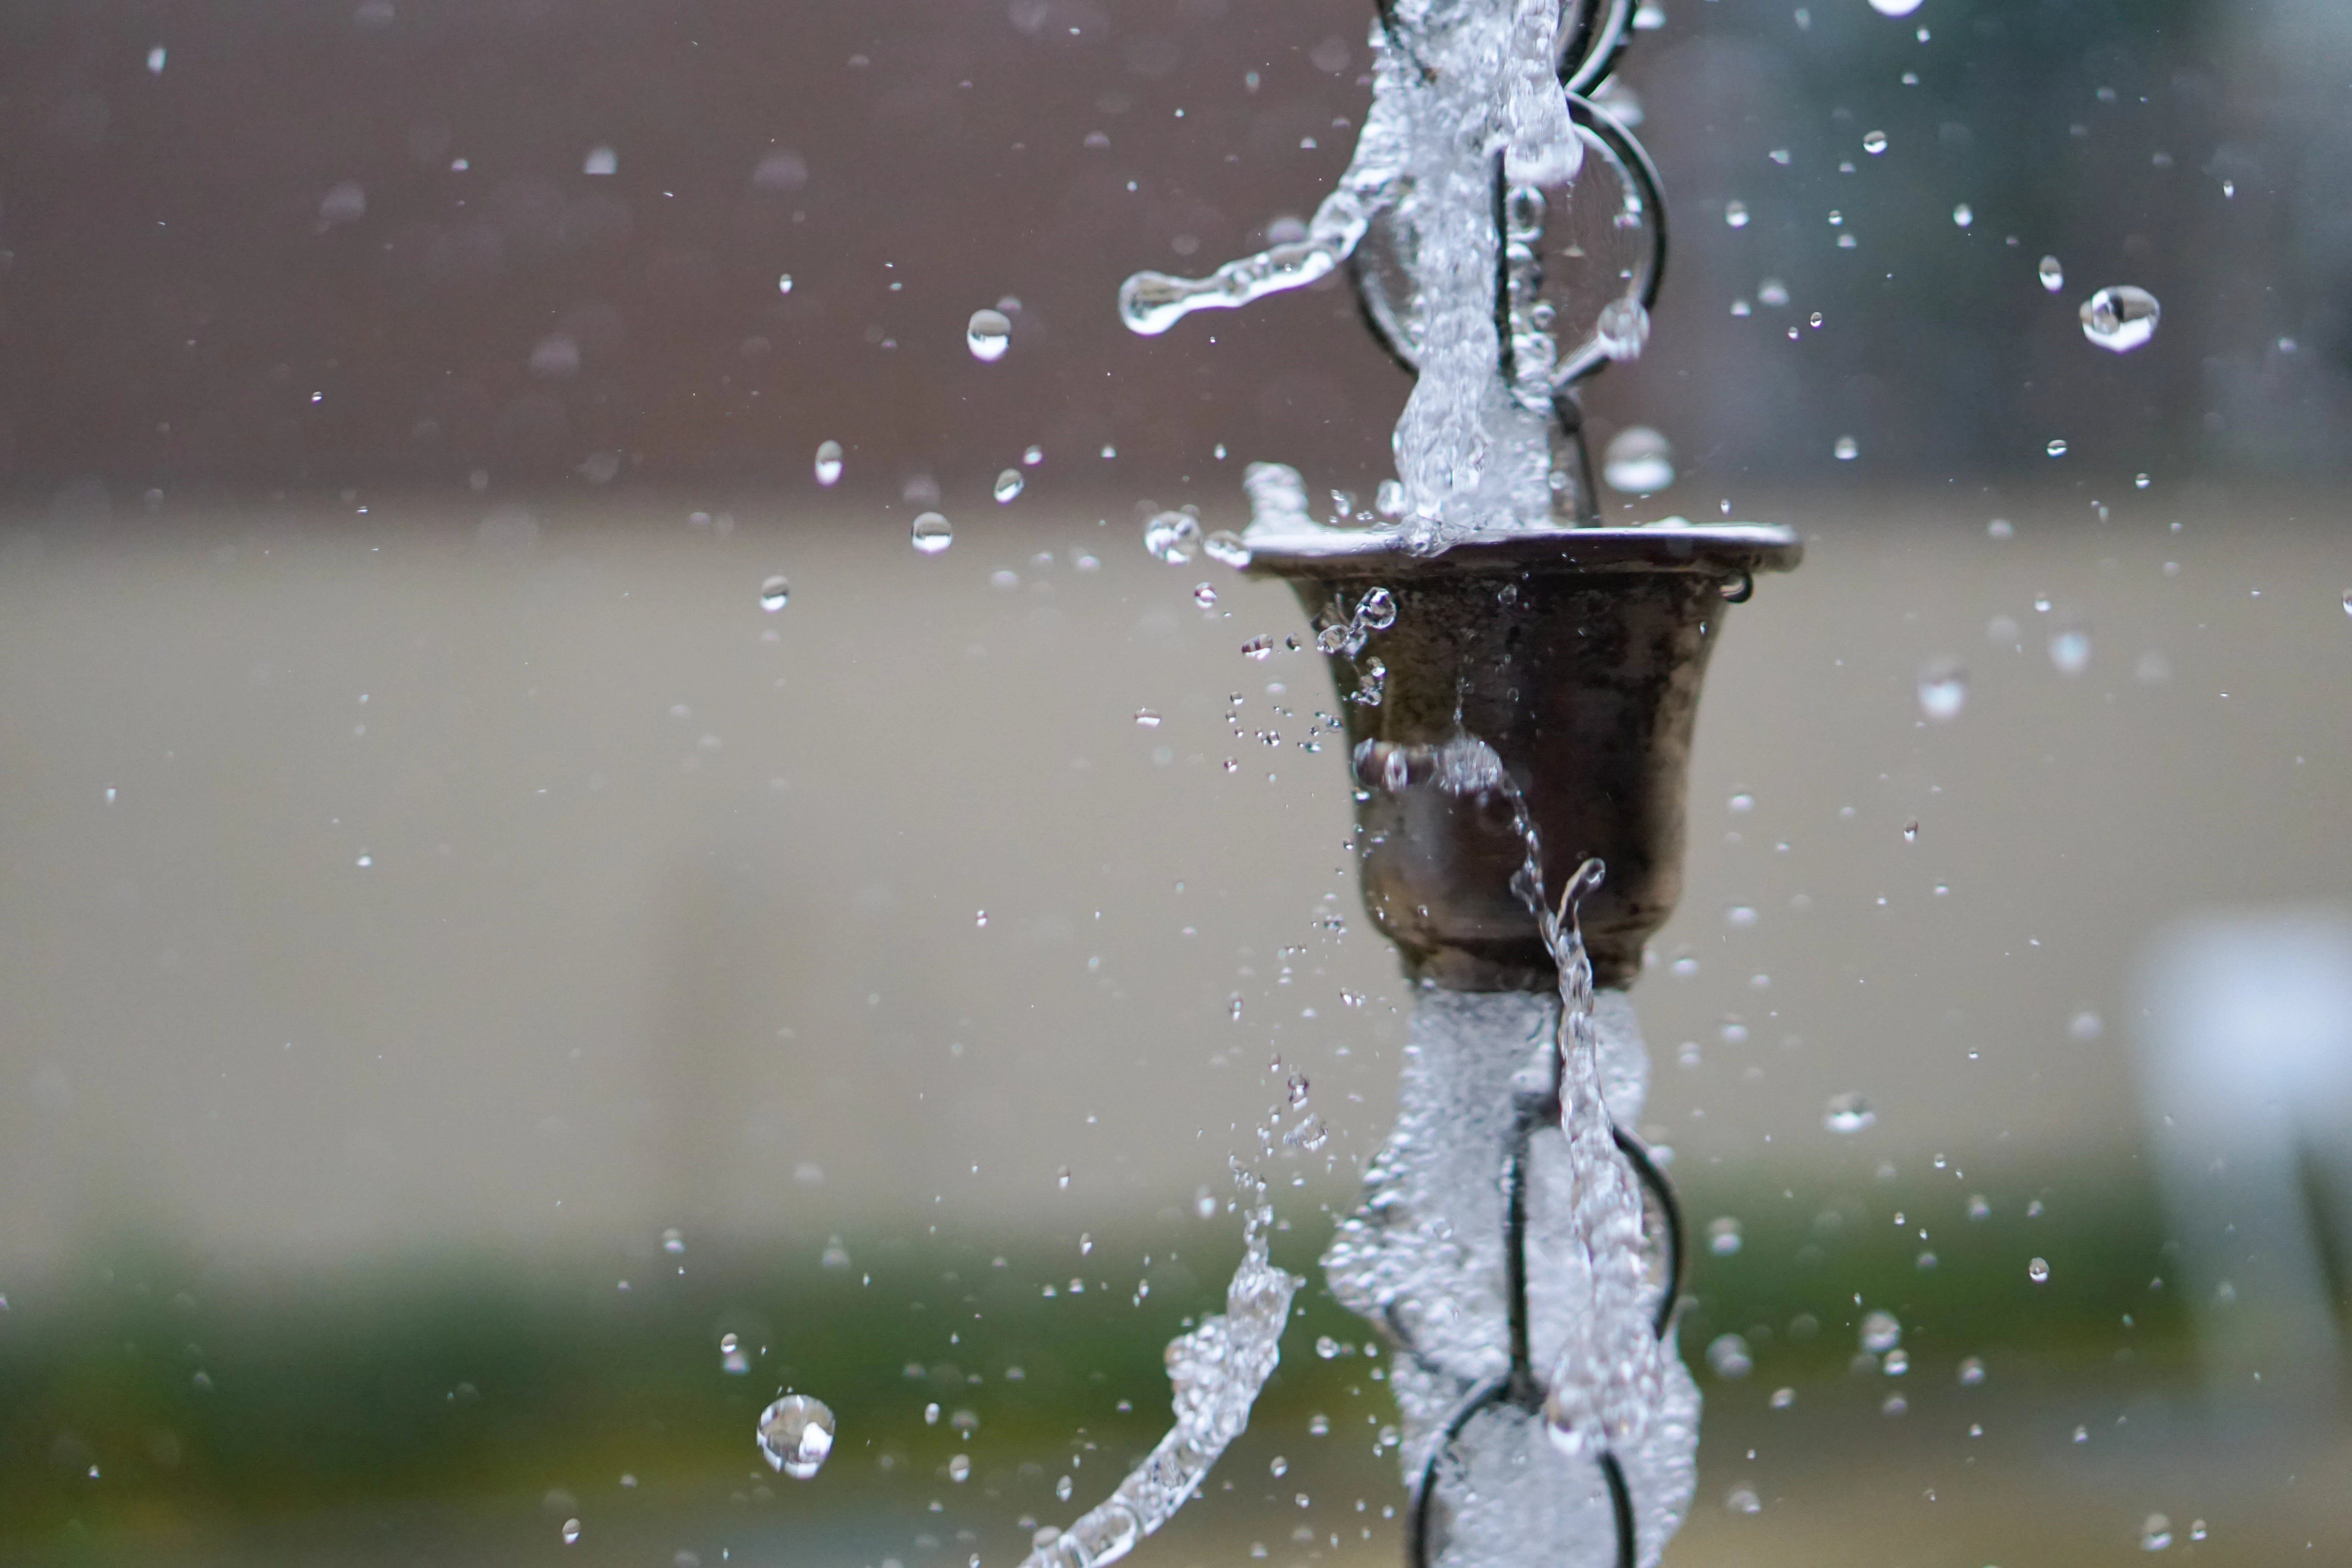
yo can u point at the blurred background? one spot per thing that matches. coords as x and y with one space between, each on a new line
463 955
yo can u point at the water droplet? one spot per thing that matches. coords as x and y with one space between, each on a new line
1943 691
2038 1270
1743 1500
2053 275
1147 719
1318 1425
2057 448
1280 1466
570 1531
1972 1371
1225 547
672 1240
2141 481
1783 1397
1881 1332
1622 328
2120 319
783 282
1895 7
828 462
1259 649
1911 831
601 161
932 533
796 1434
1963 214
1736 213
1848 1113
1723 1237
1638 461
2155 1533
988 335
1327 1347
1874 143
2196 1530
932 1415
1375 610
1847 449
959 1468
1205 595
1062 1489
1773 293
2348 601
1008 484
1728 1357
774 593
1062 1179
156 58
2070 649
1172 536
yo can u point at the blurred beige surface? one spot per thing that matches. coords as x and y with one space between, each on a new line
487 878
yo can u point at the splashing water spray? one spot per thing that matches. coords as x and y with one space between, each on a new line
1519 683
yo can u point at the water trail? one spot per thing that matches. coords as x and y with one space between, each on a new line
1459 86
1426 1257
1217 1371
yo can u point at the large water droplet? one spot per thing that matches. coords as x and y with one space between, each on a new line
1638 461
601 161
1874 143
1622 328
2155 1533
1881 1332
1009 484
1723 1237
828 462
783 282
2053 275
1736 213
2070 649
1064 1487
773 592
570 1531
796 1434
1943 691
932 533
988 335
1172 536
1728 1357
1971 1372
1846 449
2038 1270
2120 319
1964 214
2057 447
1848 1113
959 1468
1225 547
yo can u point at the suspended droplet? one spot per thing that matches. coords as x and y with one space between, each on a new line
796 1434
1327 1347
1895 7
1874 143
783 283
1962 215
1881 1332
1728 1357
2053 275
1225 547
570 1531
1204 595
1376 611
1008 484
988 335
828 462
1147 719
1943 691
1971 1373
1172 536
1736 213
1064 1487
959 1468
1318 1425
1033 457
156 58
774 593
1622 328
2057 448
1278 1465
1723 1238
1848 1113
2348 601
2141 481
1846 449
2070 649
2038 1270
1062 1178
1638 461
932 533
672 1240
2155 1533
2121 317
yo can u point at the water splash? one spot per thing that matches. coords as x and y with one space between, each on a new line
1217 1371
1426 1256
1458 87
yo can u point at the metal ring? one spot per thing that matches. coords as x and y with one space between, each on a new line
1590 52
1632 162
